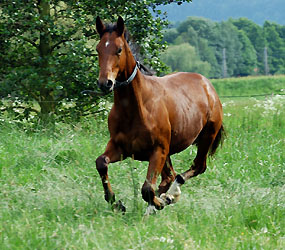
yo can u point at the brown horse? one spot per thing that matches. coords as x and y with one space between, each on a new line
153 118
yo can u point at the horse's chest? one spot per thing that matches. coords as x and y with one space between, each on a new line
133 141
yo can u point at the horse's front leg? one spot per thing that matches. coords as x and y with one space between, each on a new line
111 154
156 163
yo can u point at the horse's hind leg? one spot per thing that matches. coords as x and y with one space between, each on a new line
205 141
167 176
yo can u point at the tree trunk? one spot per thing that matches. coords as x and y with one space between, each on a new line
47 102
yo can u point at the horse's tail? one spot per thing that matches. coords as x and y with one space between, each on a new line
218 140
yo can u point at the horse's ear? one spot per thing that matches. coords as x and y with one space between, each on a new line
99 26
120 26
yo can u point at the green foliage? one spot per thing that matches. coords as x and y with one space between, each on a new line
197 32
276 47
184 58
248 59
254 32
243 40
48 58
227 38
48 48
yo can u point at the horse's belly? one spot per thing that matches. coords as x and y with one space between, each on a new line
183 134
178 143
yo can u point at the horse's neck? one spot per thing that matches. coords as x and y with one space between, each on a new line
129 99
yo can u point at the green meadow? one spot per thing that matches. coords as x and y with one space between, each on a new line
51 195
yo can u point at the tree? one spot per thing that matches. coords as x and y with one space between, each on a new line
49 47
227 37
170 35
248 58
183 57
203 34
276 47
256 36
48 58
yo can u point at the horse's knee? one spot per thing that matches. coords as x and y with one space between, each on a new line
147 192
102 164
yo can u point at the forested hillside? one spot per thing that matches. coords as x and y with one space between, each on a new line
237 47
220 10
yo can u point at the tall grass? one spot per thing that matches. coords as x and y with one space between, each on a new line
51 195
261 85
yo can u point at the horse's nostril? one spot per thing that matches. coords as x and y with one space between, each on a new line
109 84
106 86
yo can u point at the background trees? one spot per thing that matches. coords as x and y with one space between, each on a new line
238 44
47 50
255 34
275 42
183 57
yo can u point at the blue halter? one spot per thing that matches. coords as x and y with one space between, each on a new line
132 76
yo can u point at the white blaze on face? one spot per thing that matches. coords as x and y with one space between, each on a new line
107 44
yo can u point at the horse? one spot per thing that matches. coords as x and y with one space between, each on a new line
153 118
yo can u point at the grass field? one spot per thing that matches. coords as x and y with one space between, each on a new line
51 195
251 85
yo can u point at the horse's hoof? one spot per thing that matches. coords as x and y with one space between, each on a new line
168 198
119 207
159 203
150 210
172 195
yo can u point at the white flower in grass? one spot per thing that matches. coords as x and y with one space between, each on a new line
169 241
163 239
264 230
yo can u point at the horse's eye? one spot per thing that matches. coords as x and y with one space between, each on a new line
119 51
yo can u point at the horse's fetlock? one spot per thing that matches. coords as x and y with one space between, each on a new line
180 179
147 193
109 196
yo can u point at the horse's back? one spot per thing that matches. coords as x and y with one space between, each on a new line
190 88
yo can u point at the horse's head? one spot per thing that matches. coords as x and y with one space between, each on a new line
112 53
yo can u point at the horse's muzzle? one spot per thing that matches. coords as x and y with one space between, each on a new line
106 86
